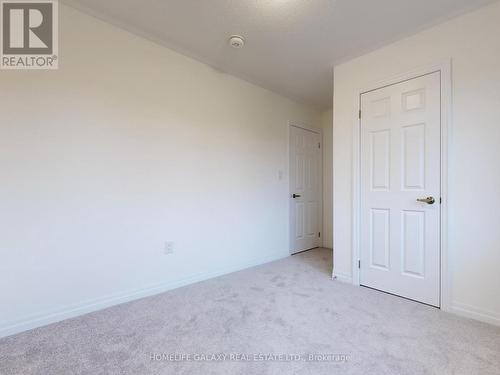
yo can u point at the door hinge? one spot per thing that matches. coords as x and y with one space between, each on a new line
440 200
319 145
360 114
319 234
359 264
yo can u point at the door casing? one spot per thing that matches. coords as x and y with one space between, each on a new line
445 72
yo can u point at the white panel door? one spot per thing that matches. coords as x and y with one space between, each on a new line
400 169
305 189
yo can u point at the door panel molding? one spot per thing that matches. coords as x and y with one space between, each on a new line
413 103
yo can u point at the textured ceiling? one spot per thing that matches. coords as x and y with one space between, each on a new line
291 46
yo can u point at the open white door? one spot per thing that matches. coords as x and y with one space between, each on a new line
305 189
400 189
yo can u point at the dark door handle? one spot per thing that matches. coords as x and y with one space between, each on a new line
428 200
296 196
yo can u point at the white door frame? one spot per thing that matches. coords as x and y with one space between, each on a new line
301 125
446 102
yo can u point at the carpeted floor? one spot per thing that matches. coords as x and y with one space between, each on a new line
286 307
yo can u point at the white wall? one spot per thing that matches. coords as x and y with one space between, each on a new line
474 239
126 146
327 128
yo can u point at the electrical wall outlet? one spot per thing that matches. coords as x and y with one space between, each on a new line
169 248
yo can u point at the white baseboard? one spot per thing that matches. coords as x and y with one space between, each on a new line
342 277
472 312
43 319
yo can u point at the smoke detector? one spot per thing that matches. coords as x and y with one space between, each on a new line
236 41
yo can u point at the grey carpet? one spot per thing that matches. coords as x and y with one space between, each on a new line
290 306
